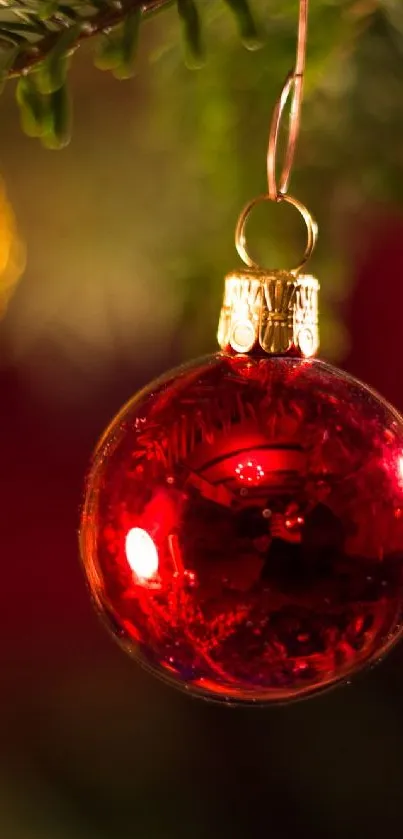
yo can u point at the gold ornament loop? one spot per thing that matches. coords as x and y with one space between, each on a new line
240 236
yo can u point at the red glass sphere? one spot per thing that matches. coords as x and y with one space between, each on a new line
242 531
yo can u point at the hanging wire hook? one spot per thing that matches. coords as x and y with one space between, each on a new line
293 84
277 192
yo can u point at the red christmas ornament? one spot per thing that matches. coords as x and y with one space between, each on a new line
258 590
242 531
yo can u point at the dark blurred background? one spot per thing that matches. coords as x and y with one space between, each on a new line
129 232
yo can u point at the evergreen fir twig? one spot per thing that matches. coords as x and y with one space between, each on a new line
34 28
37 37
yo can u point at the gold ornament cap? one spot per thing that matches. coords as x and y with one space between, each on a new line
275 311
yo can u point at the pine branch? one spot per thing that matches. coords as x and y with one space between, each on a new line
34 29
37 38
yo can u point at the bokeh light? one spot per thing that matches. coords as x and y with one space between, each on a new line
142 555
12 252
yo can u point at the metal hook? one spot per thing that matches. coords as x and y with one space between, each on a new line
293 84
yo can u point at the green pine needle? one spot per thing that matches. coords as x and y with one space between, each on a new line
37 37
246 23
192 36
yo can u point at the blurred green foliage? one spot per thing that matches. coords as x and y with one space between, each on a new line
37 36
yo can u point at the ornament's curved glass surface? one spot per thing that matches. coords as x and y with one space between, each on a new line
242 531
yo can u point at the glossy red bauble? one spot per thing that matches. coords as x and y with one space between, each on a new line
242 531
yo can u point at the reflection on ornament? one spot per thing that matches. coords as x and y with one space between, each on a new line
305 316
141 553
263 595
249 472
240 313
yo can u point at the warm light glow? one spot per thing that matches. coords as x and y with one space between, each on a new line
12 252
250 472
142 555
243 335
307 343
400 467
